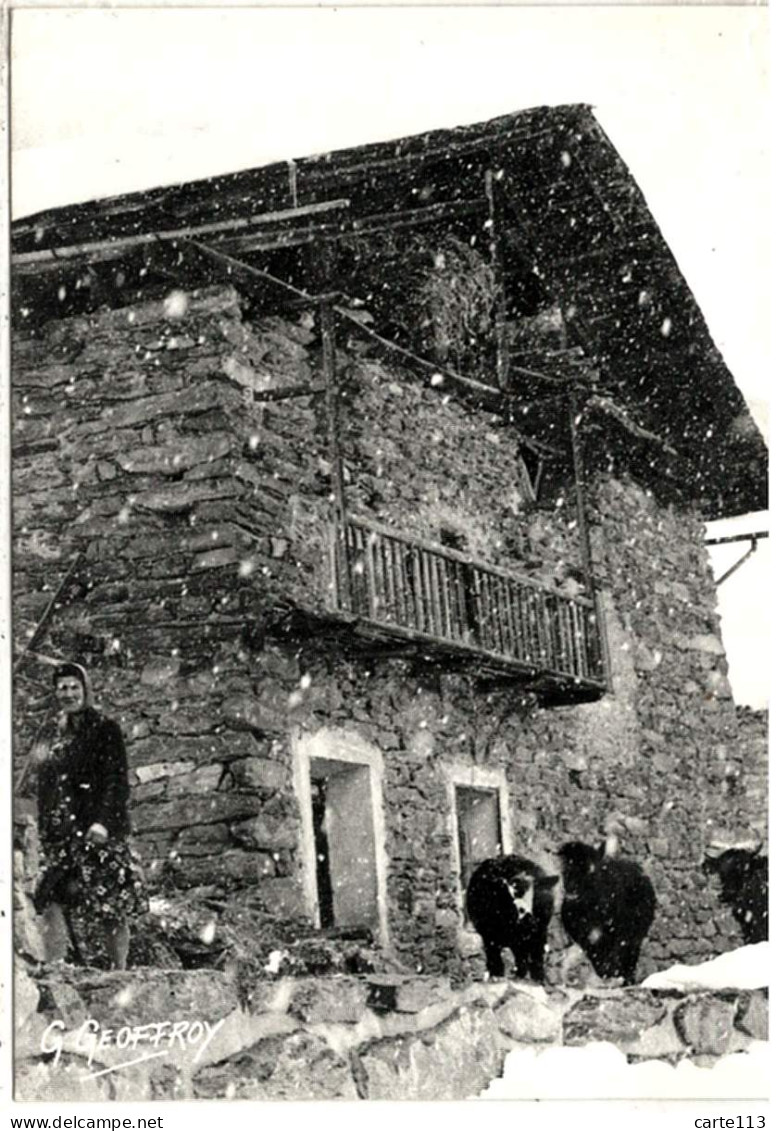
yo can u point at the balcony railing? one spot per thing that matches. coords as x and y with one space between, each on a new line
410 588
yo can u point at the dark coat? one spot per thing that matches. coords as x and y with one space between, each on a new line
92 774
744 878
608 907
509 900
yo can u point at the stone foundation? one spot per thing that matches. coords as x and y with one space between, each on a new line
369 1037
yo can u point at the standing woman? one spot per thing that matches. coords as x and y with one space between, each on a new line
83 818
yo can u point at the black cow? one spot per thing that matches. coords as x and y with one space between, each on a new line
509 901
607 909
744 878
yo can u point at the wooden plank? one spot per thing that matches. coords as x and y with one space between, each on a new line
442 583
434 595
417 576
371 578
110 248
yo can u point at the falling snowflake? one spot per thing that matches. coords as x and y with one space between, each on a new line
176 305
208 932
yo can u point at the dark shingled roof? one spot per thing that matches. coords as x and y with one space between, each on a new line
576 215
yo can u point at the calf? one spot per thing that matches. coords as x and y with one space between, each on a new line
743 875
509 901
607 909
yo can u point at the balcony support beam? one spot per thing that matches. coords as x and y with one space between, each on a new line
578 458
579 488
342 579
495 199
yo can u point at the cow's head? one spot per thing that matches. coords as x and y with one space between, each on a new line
523 891
732 866
578 863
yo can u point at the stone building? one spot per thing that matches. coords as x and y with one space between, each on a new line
372 487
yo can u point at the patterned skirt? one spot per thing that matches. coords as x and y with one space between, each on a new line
102 883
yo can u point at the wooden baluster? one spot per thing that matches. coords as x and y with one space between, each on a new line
555 660
459 602
506 600
390 585
522 626
417 573
557 610
569 653
399 562
580 652
514 619
354 545
486 635
495 613
370 564
431 597
440 565
537 613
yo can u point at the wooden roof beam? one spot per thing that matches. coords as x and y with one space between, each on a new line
113 248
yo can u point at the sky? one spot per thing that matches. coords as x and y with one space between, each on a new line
109 101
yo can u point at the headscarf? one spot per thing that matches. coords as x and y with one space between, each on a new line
70 669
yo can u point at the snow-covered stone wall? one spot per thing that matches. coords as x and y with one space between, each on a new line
206 1035
202 517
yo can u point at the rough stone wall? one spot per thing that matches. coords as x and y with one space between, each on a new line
371 1037
747 776
202 515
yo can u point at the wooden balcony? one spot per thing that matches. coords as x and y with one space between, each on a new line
404 589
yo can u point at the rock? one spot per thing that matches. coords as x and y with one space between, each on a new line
26 996
217 559
718 685
706 1024
283 898
265 832
182 402
262 774
169 459
707 643
231 867
190 746
661 1041
202 839
522 1017
205 779
297 1067
645 659
140 997
752 1015
329 1000
160 670
27 939
62 1000
162 770
397 993
453 1061
619 1019
187 811
183 496
36 1081
266 711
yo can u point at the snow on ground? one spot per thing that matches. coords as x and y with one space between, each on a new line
600 1071
747 968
